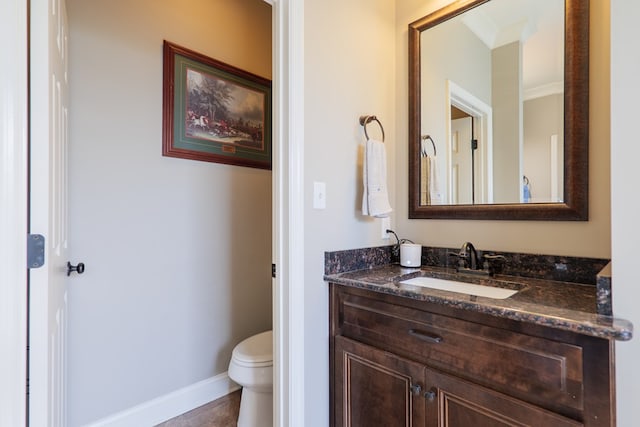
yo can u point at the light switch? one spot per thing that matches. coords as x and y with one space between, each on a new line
319 195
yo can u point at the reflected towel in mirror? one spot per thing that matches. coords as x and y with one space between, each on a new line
435 192
430 191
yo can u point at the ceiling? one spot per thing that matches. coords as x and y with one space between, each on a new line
539 25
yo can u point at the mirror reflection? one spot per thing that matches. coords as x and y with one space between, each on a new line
491 101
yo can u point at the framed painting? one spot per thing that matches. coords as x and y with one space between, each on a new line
214 112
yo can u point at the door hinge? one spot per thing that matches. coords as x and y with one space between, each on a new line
273 271
474 144
35 250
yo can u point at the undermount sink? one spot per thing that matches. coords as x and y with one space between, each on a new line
460 287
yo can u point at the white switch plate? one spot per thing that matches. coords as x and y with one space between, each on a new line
319 195
386 224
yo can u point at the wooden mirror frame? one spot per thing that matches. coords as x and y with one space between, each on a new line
576 126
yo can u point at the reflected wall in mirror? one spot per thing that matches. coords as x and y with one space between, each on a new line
498 90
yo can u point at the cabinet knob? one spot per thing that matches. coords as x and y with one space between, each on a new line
416 389
430 395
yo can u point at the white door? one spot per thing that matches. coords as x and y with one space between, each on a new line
48 213
461 161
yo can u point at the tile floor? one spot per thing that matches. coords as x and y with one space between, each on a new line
219 413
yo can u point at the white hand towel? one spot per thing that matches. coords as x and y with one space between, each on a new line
435 192
375 198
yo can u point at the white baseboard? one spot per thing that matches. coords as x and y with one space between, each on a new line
171 405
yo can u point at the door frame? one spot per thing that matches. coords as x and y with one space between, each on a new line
13 213
482 115
288 173
288 212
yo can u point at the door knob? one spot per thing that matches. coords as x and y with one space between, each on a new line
77 268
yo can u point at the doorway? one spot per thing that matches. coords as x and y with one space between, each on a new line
288 203
469 147
178 252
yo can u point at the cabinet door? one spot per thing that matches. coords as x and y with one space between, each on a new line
453 402
376 388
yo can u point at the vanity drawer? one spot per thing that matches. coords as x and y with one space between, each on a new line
534 369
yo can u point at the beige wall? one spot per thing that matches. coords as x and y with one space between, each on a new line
464 61
178 252
543 117
590 238
349 72
506 101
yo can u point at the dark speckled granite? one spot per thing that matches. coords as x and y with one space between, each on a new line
552 295
604 301
357 259
550 267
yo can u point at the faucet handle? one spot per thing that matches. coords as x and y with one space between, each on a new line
461 258
487 263
493 256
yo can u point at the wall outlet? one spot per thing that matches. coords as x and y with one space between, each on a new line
386 224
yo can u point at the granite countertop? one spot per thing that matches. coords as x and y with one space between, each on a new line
561 305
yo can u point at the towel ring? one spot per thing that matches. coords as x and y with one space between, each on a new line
365 120
433 144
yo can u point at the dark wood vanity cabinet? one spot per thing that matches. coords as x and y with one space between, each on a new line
401 362
376 388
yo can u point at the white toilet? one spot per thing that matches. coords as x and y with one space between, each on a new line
251 367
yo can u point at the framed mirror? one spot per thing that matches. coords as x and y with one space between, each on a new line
479 145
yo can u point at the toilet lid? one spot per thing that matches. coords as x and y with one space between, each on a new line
257 349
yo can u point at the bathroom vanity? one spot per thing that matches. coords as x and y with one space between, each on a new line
407 352
405 355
